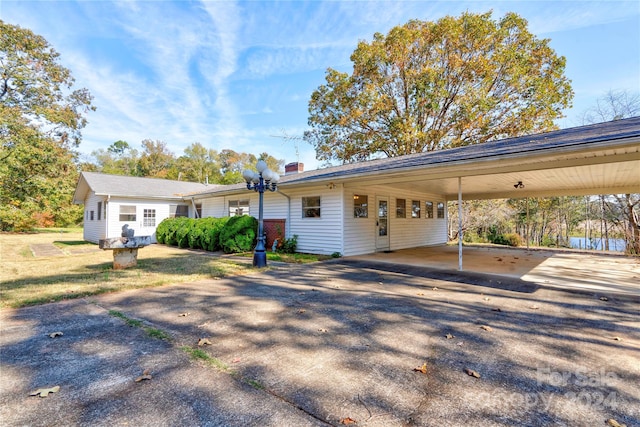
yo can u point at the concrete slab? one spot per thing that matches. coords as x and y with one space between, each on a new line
320 344
569 270
46 250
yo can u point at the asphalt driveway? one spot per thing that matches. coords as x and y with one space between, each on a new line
334 343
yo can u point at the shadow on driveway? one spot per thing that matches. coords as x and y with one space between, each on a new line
317 344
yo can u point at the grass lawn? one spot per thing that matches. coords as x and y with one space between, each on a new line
82 269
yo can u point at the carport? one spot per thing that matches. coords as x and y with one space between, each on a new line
593 272
596 159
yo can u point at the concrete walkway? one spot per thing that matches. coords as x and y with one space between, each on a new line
569 270
326 344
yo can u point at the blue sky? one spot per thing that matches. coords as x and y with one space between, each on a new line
239 75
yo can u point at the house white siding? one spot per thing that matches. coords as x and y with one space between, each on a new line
337 230
321 235
94 229
360 233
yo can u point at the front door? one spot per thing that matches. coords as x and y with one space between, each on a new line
147 222
382 224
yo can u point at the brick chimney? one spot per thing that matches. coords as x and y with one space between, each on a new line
294 167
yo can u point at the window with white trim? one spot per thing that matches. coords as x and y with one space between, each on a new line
415 209
238 207
149 218
178 210
440 209
428 209
401 208
360 206
127 213
311 207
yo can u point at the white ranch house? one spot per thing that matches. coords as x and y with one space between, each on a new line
111 201
385 204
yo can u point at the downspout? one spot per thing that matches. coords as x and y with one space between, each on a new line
195 210
106 217
460 223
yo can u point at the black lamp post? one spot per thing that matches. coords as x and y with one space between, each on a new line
262 181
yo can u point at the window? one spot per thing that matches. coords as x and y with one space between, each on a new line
311 207
149 218
440 210
99 211
428 209
127 213
401 208
238 207
415 209
360 206
178 210
91 215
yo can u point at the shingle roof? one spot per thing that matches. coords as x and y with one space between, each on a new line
565 139
582 136
130 186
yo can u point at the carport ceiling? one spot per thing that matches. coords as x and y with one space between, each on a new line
595 159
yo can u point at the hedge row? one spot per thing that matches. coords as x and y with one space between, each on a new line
231 235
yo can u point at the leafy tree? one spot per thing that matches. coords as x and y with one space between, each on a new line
432 85
41 118
198 164
118 159
155 160
616 105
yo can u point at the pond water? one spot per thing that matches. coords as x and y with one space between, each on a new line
617 245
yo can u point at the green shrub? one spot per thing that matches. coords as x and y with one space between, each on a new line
289 245
182 232
211 232
238 234
512 239
162 229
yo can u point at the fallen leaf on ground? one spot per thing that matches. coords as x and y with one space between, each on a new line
203 341
617 338
55 334
496 309
613 423
604 299
236 360
302 310
499 259
472 373
183 314
486 298
434 289
420 293
322 330
534 307
146 375
44 392
486 328
460 343
449 336
347 421
422 368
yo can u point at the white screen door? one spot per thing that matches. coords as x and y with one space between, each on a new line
382 224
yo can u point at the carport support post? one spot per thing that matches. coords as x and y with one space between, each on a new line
460 223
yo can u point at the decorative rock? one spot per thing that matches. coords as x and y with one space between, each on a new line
125 258
125 248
